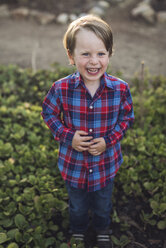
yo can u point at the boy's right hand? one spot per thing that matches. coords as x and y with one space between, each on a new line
81 141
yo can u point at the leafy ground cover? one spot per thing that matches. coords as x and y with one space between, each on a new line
33 199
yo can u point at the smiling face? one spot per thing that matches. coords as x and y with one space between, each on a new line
90 56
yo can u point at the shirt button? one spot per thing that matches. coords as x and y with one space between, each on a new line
90 171
91 107
90 130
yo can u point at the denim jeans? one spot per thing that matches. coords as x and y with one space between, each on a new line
81 201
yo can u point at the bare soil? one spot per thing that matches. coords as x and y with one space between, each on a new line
22 41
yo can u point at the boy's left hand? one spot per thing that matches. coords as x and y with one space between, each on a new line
98 147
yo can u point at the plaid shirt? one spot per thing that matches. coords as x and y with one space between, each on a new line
68 107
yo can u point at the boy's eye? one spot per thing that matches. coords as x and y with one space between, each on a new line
101 54
85 54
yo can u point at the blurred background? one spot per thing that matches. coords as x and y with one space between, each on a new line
31 32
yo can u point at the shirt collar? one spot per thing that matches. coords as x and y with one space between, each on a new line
106 79
75 80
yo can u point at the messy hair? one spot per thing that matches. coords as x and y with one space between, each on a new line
93 23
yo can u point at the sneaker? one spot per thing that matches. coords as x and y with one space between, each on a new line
77 239
103 241
78 236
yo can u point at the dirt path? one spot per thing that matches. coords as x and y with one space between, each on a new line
133 42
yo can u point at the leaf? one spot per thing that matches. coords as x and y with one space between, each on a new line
53 227
161 224
130 221
37 202
20 221
163 207
148 186
12 182
11 234
64 245
124 240
12 245
26 237
3 238
49 241
115 217
38 230
60 236
18 236
115 240
32 179
154 205
7 222
6 149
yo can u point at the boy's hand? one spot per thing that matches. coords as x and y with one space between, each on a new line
81 141
98 147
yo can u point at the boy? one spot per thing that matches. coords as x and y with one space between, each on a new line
97 110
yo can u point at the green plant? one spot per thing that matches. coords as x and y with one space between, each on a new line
122 242
33 198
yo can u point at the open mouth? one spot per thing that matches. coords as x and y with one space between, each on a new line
93 70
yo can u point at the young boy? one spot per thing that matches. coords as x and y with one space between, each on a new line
97 110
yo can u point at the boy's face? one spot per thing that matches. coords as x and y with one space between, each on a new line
90 56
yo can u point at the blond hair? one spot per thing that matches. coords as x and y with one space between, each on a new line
93 23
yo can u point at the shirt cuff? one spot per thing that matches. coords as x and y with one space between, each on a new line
109 142
67 136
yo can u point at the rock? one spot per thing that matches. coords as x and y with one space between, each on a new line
62 18
82 14
44 18
20 13
103 4
96 10
34 13
72 17
161 16
145 11
4 11
124 3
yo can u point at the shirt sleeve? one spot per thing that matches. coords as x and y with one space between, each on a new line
51 113
125 120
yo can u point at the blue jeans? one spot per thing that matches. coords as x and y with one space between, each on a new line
81 201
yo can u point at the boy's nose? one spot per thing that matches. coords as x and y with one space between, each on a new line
93 60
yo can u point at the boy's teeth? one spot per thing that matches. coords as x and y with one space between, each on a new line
93 70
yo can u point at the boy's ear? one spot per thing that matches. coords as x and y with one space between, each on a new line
71 57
